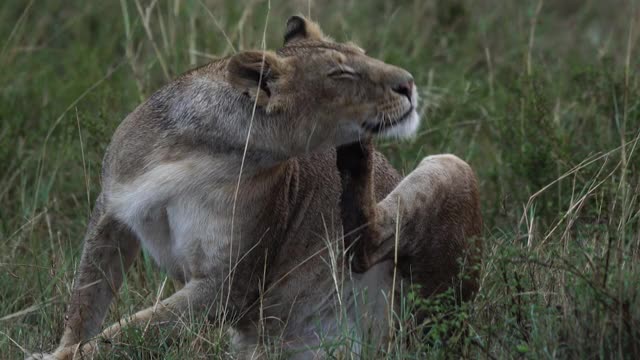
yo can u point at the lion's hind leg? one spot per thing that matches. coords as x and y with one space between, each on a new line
432 217
435 214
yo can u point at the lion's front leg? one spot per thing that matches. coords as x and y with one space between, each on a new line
109 250
196 298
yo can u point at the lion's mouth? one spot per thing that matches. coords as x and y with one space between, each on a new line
380 126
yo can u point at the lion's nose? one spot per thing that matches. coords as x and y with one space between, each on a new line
405 89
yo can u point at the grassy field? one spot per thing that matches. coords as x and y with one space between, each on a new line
542 99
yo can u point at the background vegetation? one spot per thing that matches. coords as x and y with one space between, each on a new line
543 99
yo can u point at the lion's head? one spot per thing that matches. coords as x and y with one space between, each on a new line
314 91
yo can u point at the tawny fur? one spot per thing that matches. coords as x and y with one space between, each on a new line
437 209
259 250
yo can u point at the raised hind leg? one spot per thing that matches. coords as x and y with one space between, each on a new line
358 202
433 215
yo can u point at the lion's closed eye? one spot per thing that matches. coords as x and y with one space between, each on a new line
343 73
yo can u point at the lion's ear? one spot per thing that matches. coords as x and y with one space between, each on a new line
299 28
254 72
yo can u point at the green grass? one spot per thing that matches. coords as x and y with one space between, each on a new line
545 105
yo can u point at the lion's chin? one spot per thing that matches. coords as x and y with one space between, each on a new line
404 129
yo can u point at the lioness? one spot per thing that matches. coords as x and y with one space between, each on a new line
228 178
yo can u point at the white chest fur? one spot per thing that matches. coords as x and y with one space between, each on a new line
180 211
